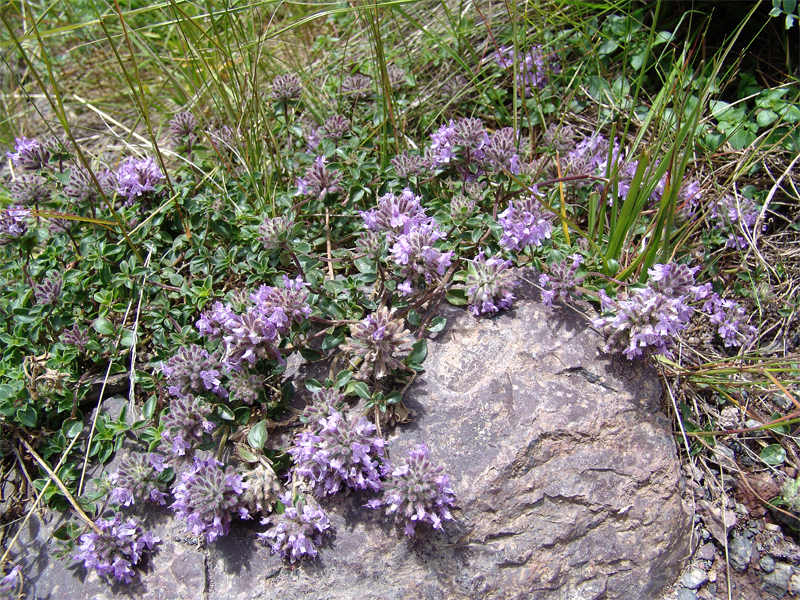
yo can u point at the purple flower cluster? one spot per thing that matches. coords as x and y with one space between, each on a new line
262 489
116 549
136 480
730 319
185 130
29 155
735 215
410 165
318 181
275 231
588 156
76 336
29 190
525 224
9 584
81 188
416 491
322 403
297 531
255 334
48 292
13 224
489 285
377 340
413 235
184 424
561 280
342 453
206 497
245 387
357 87
466 146
193 369
335 127
136 177
533 67
286 88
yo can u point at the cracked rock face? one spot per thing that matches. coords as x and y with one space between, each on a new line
566 481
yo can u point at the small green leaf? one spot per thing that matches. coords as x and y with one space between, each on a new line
437 324
774 454
343 378
419 352
312 385
364 265
310 354
27 416
334 339
245 454
225 412
149 407
72 428
103 326
359 388
766 118
456 297
780 427
413 317
258 435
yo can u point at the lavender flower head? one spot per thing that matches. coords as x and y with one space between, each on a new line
275 231
415 253
296 533
318 181
291 300
395 214
286 88
372 244
77 337
343 453
562 280
184 130
136 177
357 87
533 68
417 491
206 497
244 386
13 224
262 489
322 403
336 127
735 215
397 76
489 285
193 369
49 291
443 145
29 155
136 480
501 151
378 340
10 584
116 549
81 187
462 208
523 225
410 165
560 137
673 279
184 424
730 319
29 190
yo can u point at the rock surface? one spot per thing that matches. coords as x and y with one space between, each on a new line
565 474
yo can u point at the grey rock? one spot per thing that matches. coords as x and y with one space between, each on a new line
740 551
565 473
777 582
794 584
694 579
767 564
684 594
706 552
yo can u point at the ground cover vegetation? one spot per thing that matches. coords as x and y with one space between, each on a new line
197 196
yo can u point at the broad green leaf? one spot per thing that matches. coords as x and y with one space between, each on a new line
456 297
312 385
334 339
437 324
149 408
72 428
774 454
419 352
359 388
257 436
103 326
225 412
27 416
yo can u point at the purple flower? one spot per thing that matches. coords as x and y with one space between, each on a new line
13 224
185 130
49 291
589 155
286 88
245 387
116 549
377 340
318 181
76 336
29 190
10 584
533 67
322 403
291 300
410 165
193 369
275 231
489 285
357 87
442 148
343 453
207 496
395 214
136 480
296 532
562 280
29 155
136 177
335 127
525 224
414 252
729 317
184 424
501 151
734 215
417 491
672 279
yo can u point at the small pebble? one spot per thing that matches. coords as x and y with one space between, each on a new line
740 550
684 594
694 579
706 552
776 584
767 564
794 584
